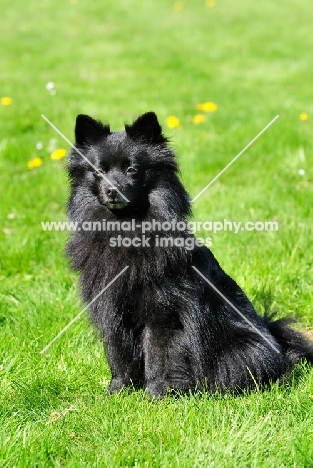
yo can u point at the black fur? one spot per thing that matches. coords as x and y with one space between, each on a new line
163 326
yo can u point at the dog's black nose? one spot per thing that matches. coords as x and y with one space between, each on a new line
111 192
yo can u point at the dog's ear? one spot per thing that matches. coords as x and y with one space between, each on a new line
89 130
146 128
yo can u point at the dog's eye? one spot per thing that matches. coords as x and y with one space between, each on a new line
131 170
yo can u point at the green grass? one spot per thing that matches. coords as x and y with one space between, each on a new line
115 60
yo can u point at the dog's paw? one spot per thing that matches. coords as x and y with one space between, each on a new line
116 385
157 389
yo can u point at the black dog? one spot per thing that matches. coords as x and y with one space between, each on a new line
163 325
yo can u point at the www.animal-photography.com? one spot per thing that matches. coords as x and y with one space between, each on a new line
156 238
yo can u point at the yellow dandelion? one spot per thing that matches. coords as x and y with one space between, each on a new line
58 154
173 122
6 101
303 116
207 107
210 3
35 162
198 118
178 6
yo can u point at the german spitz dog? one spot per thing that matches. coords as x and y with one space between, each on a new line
173 320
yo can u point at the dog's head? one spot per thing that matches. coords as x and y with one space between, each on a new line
121 168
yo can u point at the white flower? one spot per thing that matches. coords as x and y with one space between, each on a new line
50 85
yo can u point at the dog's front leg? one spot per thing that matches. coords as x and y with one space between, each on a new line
155 347
125 361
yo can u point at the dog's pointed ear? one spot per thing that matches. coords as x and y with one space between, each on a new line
146 128
89 130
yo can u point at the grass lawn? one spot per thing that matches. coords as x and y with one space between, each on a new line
115 60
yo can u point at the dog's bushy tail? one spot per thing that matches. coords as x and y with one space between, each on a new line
293 343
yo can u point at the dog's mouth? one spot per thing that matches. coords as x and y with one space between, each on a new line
115 204
113 201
